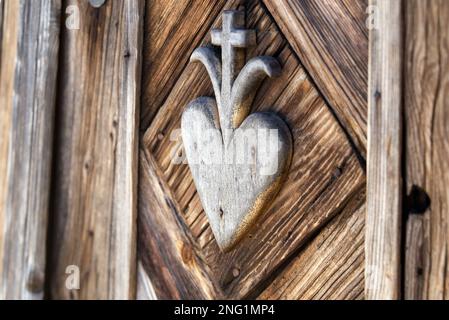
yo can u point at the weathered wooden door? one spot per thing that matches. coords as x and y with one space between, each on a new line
310 242
91 97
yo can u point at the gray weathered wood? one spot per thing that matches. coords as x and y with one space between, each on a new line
414 258
384 185
95 179
224 146
426 94
237 166
2 3
27 98
234 194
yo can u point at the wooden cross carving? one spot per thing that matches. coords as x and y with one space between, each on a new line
230 38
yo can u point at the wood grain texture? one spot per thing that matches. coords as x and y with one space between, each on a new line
331 266
170 259
95 179
2 4
427 149
27 98
384 185
168 43
237 188
331 40
414 260
7 72
324 176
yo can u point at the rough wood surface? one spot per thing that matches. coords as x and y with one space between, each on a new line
238 159
95 178
29 55
427 149
234 193
175 28
331 40
325 172
2 4
384 184
414 251
7 72
171 261
331 266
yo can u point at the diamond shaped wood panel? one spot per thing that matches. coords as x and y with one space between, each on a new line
176 246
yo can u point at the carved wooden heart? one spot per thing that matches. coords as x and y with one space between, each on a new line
235 182
237 161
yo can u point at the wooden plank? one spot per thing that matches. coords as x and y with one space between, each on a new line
384 185
324 175
427 150
2 4
96 152
331 266
29 59
331 40
414 250
172 262
7 73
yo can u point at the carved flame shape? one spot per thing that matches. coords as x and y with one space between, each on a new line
245 86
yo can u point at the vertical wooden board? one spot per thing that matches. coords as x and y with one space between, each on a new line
427 149
7 71
331 265
331 40
384 185
29 61
414 260
2 3
95 177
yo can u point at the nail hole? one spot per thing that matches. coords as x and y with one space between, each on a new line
35 281
221 213
337 172
419 271
377 95
418 200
